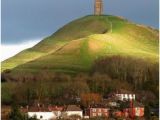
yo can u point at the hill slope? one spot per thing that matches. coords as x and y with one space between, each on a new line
77 29
75 46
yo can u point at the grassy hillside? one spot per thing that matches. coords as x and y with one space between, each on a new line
75 46
77 29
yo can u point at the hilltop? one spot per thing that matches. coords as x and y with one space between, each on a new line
75 46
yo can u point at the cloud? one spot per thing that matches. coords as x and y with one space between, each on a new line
9 50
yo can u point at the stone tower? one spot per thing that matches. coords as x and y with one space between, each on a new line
98 7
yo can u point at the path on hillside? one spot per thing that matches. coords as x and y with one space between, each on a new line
111 25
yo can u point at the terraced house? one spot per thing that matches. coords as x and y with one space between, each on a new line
97 111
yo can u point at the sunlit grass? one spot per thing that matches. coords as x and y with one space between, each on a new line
75 47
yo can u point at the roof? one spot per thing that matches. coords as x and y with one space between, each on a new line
123 91
119 91
73 108
36 109
135 104
55 108
98 106
41 109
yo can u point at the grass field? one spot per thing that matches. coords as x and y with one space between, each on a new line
75 46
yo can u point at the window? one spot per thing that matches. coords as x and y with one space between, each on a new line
94 114
34 116
106 114
99 114
93 110
105 110
126 96
41 117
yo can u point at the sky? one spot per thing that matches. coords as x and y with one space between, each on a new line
29 21
15 48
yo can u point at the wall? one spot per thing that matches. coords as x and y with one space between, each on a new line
46 115
70 113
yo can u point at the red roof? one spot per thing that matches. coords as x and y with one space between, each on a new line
41 109
55 108
73 108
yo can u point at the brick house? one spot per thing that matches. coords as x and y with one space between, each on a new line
134 109
97 111
117 113
110 102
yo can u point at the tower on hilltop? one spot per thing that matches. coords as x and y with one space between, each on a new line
98 7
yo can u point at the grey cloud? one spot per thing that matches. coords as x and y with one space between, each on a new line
27 19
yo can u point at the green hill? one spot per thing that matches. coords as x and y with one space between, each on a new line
75 47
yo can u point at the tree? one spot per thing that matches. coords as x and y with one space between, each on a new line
147 112
15 114
135 71
6 95
90 98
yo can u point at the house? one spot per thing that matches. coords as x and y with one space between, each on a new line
40 113
134 109
117 113
126 113
45 115
57 110
97 111
72 110
110 102
43 112
124 95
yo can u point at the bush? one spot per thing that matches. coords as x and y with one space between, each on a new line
15 113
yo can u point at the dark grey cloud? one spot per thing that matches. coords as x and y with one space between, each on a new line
30 19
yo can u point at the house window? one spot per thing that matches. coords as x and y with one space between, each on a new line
41 117
99 114
130 96
94 114
93 110
34 116
126 96
106 114
122 96
105 110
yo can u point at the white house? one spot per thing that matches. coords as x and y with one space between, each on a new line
72 110
125 95
45 113
42 115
